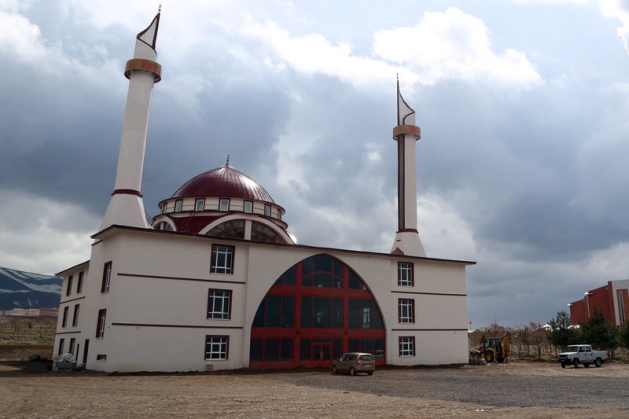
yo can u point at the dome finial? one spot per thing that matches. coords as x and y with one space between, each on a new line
227 162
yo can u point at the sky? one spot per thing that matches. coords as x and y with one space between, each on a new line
523 107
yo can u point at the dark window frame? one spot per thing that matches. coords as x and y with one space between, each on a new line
223 353
79 282
223 253
405 274
406 346
107 269
100 324
64 319
212 312
75 315
70 283
404 305
61 344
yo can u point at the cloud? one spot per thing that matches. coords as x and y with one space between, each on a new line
454 45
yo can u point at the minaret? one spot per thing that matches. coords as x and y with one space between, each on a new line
406 133
126 206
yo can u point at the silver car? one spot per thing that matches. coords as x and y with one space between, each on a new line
354 362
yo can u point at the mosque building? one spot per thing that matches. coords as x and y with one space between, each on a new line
217 282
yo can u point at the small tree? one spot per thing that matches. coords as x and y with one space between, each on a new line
623 335
561 333
538 338
523 336
600 332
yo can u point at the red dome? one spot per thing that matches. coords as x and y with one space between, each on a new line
224 182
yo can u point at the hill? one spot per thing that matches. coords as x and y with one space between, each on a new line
28 290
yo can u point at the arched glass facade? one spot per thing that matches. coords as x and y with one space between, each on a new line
315 311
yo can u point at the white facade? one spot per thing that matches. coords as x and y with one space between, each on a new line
157 301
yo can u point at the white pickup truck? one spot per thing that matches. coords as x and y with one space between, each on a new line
582 354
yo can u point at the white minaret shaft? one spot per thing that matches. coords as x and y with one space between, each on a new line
406 133
126 206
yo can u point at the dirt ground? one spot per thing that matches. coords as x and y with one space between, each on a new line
306 393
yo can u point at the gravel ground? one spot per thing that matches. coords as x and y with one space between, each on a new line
515 390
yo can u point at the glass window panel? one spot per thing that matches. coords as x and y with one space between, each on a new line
286 352
337 309
306 316
304 349
354 314
256 351
273 309
354 345
367 311
337 348
306 266
322 280
288 311
366 345
354 281
322 312
322 263
338 268
288 277
272 350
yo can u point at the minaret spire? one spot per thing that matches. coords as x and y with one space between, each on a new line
406 133
126 206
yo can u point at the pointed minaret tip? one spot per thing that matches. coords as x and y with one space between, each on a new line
149 35
405 114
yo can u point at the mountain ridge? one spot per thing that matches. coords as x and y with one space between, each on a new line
19 289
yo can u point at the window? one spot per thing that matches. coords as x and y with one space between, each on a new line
406 310
222 259
407 346
106 277
405 274
223 204
267 210
164 207
199 204
101 357
64 321
216 347
69 289
248 206
262 233
72 345
178 205
100 325
75 317
61 343
621 307
79 283
218 304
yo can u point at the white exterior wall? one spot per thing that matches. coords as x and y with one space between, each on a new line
157 301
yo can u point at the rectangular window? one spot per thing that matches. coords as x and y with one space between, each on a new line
199 204
178 205
407 346
219 304
61 343
267 210
216 347
100 325
223 204
79 283
64 320
69 289
164 207
405 274
248 206
72 345
222 259
621 307
406 310
101 357
75 317
106 278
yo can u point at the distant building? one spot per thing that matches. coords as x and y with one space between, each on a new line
612 300
217 282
